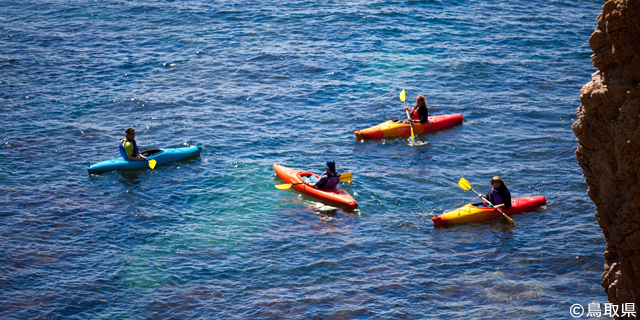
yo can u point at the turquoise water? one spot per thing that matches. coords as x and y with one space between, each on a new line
289 82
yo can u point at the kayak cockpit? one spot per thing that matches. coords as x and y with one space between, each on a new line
150 152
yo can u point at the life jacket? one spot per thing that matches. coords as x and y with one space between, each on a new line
123 153
332 183
494 197
415 115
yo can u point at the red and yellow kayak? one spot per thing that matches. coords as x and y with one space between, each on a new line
333 196
395 129
470 213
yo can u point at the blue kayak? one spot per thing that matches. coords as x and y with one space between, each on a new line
162 156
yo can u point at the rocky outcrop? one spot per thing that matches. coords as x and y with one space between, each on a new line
608 131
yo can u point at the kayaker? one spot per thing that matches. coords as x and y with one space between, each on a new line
328 180
499 195
129 148
419 113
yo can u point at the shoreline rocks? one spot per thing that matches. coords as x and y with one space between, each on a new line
608 132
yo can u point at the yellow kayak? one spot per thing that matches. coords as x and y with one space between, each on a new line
471 213
397 129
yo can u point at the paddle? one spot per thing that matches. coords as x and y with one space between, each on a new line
152 163
344 177
402 98
464 184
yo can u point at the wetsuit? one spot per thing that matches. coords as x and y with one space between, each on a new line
500 196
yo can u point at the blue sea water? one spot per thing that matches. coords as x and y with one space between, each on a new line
288 82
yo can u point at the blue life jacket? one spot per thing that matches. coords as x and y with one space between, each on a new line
124 154
494 197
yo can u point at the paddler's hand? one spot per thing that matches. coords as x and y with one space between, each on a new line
406 108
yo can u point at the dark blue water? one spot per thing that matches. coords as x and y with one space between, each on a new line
289 82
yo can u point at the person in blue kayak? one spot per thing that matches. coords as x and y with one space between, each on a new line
128 147
328 180
419 113
499 195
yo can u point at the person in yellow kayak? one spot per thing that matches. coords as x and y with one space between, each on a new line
499 195
128 147
328 180
419 113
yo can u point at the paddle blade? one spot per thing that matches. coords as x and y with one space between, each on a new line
344 177
283 186
509 218
464 184
152 164
402 95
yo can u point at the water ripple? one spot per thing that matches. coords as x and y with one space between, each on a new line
288 83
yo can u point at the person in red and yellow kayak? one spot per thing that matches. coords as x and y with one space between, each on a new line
328 180
419 113
499 195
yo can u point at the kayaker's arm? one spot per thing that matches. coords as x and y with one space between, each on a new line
411 111
322 181
483 197
313 184
130 157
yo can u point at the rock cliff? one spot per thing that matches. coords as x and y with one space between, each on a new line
608 151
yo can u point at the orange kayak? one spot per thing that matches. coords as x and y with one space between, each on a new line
333 196
471 213
395 129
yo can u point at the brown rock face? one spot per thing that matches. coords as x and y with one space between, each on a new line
608 133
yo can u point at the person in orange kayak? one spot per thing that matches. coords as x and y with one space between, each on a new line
128 147
499 195
419 113
328 180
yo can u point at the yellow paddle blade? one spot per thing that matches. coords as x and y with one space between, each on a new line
152 164
344 177
412 136
283 186
402 95
509 218
464 184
